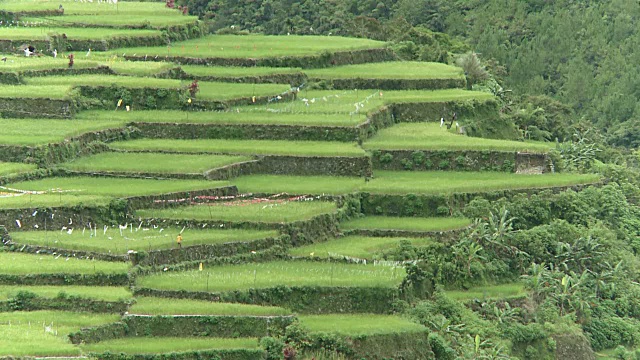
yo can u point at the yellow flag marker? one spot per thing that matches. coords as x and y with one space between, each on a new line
200 268
253 99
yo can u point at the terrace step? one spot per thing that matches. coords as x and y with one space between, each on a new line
441 228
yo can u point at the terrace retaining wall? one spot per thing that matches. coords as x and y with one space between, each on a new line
98 279
460 160
247 131
292 79
62 302
443 236
306 61
203 252
37 108
53 153
433 111
231 354
393 84
425 205
302 299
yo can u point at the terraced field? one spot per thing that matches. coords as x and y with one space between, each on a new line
190 219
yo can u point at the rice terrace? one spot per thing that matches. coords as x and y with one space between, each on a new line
169 189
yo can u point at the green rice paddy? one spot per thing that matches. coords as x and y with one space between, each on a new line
430 136
244 115
8 168
30 132
116 187
423 182
163 306
104 293
494 292
272 274
57 92
390 70
362 247
360 324
244 147
94 8
208 90
152 163
405 223
112 20
172 345
22 63
135 237
42 33
336 101
23 264
260 211
44 333
130 68
254 46
236 71
31 201
24 340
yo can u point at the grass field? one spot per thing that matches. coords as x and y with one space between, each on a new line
391 182
133 238
23 264
362 247
208 90
152 162
31 132
390 70
277 273
495 292
44 333
168 345
57 92
41 33
8 168
117 187
244 147
254 46
335 101
245 116
405 223
162 306
430 136
267 211
104 293
360 324
236 71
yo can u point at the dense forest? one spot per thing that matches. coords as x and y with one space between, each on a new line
564 71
